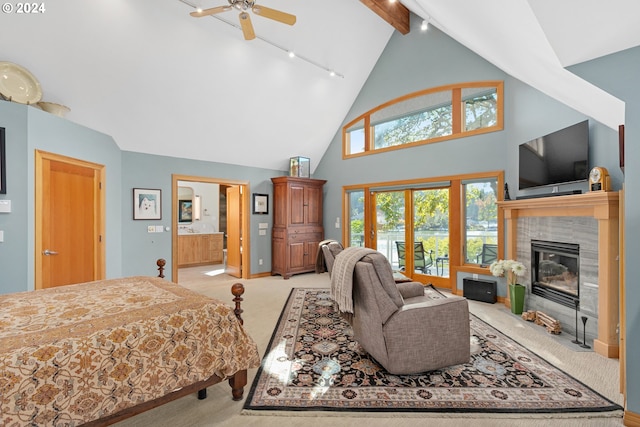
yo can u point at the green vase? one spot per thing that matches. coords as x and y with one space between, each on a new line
516 296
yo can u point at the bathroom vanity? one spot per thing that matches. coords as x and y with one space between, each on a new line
200 249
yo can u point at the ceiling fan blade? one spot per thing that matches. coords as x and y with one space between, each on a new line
247 26
276 15
212 11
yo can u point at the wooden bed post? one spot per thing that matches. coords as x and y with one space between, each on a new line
161 263
239 379
237 290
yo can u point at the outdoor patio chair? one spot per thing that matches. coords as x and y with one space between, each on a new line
488 254
421 261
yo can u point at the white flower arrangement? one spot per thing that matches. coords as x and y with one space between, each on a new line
509 267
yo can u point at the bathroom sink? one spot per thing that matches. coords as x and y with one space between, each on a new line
197 228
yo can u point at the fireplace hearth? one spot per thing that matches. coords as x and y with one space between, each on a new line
555 272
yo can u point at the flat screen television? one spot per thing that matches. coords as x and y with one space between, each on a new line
560 157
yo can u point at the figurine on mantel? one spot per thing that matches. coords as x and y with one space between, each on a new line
506 192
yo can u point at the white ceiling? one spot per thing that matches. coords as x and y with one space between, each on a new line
162 82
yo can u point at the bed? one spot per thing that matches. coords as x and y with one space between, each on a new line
98 352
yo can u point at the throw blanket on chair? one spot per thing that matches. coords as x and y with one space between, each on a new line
342 276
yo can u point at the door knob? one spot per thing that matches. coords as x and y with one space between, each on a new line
48 252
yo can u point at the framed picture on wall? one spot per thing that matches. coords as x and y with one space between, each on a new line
3 164
147 203
260 204
185 211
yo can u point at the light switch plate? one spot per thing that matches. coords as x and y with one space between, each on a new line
1 236
263 225
263 232
5 206
151 229
159 228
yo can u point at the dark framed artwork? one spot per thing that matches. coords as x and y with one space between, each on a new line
3 164
185 211
147 203
260 204
621 146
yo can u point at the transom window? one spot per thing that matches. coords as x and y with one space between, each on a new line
427 116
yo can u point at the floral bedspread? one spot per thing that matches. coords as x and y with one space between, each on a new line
77 353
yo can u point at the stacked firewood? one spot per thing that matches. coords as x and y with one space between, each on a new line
542 319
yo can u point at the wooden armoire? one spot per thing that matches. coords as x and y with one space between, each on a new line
297 224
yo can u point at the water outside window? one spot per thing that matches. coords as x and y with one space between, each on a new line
481 211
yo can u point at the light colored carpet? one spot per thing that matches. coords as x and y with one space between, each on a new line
263 302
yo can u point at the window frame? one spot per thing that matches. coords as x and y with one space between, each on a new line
458 106
457 218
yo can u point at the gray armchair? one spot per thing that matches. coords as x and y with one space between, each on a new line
402 329
330 249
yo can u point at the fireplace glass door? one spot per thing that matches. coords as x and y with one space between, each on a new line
556 271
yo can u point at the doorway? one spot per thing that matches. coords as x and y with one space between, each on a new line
69 220
210 229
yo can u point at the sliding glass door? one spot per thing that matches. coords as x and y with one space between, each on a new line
411 228
388 220
431 230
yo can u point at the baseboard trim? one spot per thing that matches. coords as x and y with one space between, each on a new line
631 419
259 275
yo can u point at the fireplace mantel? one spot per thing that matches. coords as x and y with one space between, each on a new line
604 207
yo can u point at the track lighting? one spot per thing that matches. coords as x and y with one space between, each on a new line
289 52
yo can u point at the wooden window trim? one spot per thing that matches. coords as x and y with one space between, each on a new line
457 118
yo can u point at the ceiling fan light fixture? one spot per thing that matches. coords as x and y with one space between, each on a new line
242 4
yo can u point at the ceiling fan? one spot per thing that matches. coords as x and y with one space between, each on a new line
245 19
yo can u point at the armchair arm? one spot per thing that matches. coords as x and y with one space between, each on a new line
410 289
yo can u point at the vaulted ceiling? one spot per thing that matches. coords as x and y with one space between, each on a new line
160 81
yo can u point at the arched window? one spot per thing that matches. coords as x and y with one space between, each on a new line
427 116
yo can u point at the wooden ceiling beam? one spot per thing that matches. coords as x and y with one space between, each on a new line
394 13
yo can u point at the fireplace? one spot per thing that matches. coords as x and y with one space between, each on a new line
555 268
591 221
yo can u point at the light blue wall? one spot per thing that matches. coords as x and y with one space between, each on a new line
420 61
141 249
14 250
130 249
618 75
410 63
29 129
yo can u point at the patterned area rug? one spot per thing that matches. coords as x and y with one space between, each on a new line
313 364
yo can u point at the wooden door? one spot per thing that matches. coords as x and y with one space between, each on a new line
234 231
69 221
